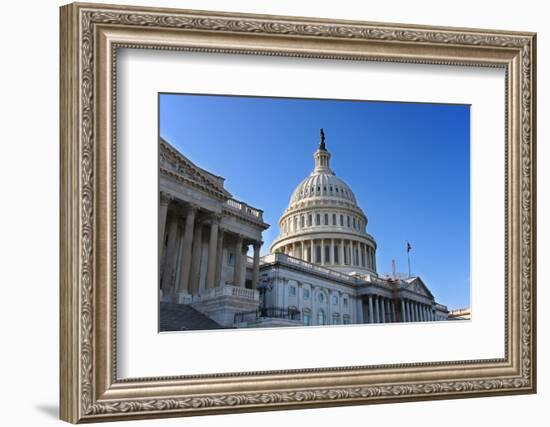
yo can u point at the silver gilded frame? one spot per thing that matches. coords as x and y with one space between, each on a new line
90 37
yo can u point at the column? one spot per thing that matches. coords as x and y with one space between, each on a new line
376 309
390 310
219 256
341 260
196 255
369 264
312 253
168 271
383 303
332 255
402 317
371 310
340 306
409 311
417 311
322 252
163 212
298 293
185 268
212 249
294 249
359 310
256 266
237 271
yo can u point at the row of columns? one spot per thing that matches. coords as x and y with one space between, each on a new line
189 255
353 253
309 220
384 310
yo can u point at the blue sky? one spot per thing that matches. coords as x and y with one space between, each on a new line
407 163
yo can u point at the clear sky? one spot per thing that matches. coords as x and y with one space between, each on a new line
407 163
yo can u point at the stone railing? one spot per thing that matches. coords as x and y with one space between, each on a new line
227 290
289 260
243 208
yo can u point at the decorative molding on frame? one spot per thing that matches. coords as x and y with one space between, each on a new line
87 19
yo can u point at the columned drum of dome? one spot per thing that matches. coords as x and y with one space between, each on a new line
323 223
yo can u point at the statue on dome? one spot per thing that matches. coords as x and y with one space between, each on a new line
322 144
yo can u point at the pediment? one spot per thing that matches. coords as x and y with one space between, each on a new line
172 161
417 286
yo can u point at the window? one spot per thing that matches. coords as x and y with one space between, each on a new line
292 291
309 220
341 220
326 219
354 225
306 317
321 297
336 256
318 254
333 219
295 223
337 190
345 302
318 219
331 188
345 320
302 221
334 300
305 292
321 318
349 222
335 319
231 259
327 254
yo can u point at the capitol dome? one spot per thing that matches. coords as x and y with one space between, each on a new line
323 223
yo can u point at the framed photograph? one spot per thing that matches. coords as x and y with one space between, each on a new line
267 212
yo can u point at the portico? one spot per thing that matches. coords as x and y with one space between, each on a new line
204 234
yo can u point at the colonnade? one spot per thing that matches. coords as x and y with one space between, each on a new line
379 309
340 252
181 248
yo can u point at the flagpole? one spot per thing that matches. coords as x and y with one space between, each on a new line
409 257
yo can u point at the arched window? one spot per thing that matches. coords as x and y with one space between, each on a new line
321 318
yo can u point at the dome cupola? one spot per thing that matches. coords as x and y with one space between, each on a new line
323 223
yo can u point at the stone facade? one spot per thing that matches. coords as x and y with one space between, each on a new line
321 269
204 236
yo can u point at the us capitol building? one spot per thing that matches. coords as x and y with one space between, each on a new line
320 270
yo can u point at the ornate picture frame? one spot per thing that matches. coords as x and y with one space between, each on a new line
90 37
